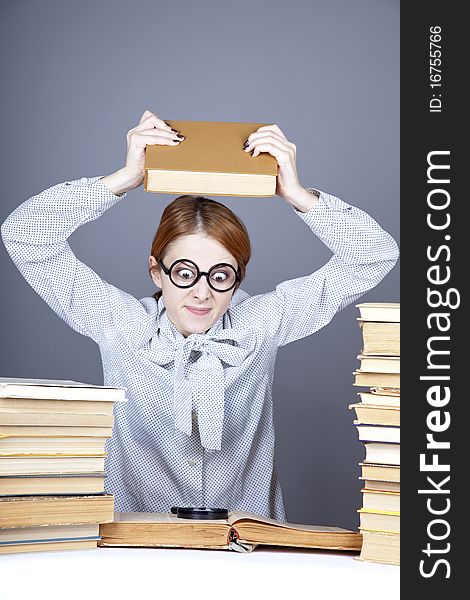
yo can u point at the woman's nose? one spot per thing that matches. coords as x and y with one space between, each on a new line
201 289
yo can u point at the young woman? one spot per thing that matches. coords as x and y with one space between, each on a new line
197 358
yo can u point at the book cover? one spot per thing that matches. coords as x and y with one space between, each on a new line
210 161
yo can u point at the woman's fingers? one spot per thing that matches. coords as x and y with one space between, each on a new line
168 135
141 138
270 138
147 114
282 154
269 133
149 131
274 128
152 121
282 149
151 125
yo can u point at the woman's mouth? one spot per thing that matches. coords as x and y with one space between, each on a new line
198 311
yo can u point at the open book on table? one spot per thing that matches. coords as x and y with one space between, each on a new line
242 532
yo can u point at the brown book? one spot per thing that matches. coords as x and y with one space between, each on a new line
377 379
380 311
42 485
43 539
380 472
376 415
381 486
242 532
210 161
380 339
380 547
60 431
36 511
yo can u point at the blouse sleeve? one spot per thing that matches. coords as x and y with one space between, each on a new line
363 253
35 236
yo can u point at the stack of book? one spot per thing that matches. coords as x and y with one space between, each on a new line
52 450
378 425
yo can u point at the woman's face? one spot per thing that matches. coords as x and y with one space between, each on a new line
205 252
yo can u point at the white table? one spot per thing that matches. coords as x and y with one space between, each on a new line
267 573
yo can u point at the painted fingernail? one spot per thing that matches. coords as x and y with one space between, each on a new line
246 143
174 130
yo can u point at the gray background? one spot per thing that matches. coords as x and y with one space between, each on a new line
77 75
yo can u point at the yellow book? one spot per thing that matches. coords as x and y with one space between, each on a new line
377 520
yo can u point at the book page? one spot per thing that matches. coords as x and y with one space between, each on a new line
239 515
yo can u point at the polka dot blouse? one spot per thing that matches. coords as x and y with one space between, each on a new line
197 428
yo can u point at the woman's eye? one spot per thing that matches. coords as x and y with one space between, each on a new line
185 274
220 276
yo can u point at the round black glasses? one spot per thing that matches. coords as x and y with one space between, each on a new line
185 273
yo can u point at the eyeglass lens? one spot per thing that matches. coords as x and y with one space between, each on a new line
185 274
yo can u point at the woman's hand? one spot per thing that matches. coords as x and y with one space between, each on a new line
150 130
271 139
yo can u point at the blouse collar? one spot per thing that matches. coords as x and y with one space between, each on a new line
220 344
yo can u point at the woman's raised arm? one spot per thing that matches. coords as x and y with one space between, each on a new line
363 253
35 235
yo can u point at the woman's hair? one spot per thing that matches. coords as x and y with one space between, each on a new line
190 214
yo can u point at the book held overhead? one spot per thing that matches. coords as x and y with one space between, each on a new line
210 161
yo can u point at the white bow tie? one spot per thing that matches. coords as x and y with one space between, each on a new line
208 387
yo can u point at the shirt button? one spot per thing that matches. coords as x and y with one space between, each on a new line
194 416
192 462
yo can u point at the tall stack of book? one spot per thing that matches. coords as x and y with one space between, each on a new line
378 425
52 450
